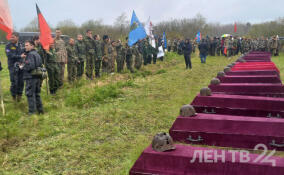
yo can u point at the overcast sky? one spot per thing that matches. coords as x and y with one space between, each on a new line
222 11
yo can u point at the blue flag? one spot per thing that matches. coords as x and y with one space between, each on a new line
137 31
165 40
198 36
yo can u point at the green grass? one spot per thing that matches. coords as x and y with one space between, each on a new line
101 126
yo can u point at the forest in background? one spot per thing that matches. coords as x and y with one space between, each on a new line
174 28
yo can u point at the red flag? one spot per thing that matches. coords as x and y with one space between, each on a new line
6 23
45 32
235 28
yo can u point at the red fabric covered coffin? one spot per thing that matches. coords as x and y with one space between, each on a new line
268 90
253 72
181 162
229 131
250 79
255 63
240 105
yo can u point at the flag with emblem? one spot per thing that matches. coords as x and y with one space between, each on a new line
45 32
137 31
6 23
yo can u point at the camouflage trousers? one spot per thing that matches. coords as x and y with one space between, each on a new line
106 64
129 62
120 63
80 69
112 64
98 63
53 77
72 72
61 66
89 66
138 61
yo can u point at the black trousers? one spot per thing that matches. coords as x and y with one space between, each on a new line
17 82
187 61
33 88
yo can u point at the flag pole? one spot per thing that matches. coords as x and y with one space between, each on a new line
2 101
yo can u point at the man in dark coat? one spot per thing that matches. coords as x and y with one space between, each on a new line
33 83
187 49
203 50
15 53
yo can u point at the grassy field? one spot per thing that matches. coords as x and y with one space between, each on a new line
102 126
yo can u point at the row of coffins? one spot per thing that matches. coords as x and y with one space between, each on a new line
239 110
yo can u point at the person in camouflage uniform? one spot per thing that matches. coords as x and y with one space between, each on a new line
39 48
80 48
218 47
226 46
169 45
107 54
230 47
53 70
113 56
235 46
98 55
72 60
274 46
90 56
120 56
61 54
128 56
145 51
138 57
175 45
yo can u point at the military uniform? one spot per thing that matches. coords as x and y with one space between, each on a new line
98 57
138 57
129 59
80 48
219 47
113 56
13 52
61 56
72 62
90 56
52 70
33 84
274 46
106 59
120 57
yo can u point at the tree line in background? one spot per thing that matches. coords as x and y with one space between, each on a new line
175 28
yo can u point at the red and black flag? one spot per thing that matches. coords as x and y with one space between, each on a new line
45 32
6 23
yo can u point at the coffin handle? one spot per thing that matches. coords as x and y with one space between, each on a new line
199 139
207 112
273 143
271 116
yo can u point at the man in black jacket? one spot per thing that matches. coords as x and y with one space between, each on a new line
33 84
14 52
187 49
203 49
